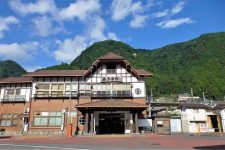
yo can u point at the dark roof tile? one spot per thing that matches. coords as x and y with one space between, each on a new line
57 73
111 103
16 80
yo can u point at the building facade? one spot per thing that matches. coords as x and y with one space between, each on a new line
108 97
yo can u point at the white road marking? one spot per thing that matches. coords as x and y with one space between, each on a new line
35 146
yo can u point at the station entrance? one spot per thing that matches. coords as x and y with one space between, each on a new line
113 123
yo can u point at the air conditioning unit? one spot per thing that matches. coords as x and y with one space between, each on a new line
26 110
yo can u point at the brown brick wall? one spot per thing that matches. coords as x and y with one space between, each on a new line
13 108
51 105
57 105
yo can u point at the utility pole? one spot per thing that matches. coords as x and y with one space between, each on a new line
70 126
192 97
149 104
203 95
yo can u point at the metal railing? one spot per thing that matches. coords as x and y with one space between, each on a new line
54 95
14 98
96 95
112 95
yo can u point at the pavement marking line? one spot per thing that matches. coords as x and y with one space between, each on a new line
48 147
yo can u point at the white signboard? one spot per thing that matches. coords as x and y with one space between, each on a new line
145 122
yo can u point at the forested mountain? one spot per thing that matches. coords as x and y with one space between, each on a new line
9 68
198 63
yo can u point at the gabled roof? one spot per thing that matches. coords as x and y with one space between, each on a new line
111 56
80 73
112 103
117 58
16 80
56 73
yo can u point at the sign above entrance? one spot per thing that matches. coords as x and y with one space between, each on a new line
111 79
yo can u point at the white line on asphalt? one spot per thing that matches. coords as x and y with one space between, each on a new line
48 147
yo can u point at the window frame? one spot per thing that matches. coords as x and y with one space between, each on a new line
48 117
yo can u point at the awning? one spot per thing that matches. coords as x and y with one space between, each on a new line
111 104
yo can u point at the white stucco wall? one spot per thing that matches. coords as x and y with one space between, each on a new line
191 115
25 90
222 113
141 86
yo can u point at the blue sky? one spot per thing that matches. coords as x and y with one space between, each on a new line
42 33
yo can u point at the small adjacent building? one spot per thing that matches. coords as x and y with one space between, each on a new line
16 93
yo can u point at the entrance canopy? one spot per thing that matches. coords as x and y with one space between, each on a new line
114 104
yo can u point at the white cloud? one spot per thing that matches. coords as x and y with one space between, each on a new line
170 12
120 9
50 19
167 24
160 14
152 3
138 21
177 8
112 36
70 49
5 22
43 26
124 8
96 27
18 51
39 7
80 9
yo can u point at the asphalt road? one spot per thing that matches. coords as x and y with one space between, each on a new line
148 142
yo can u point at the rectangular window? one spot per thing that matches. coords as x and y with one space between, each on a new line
50 119
74 87
18 91
82 86
43 86
13 95
54 87
10 120
9 91
42 93
67 87
61 87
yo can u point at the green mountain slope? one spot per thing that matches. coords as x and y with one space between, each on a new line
199 63
9 68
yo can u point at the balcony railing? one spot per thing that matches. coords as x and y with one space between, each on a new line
94 95
54 95
118 95
14 98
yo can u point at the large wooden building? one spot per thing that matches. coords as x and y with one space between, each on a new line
109 97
